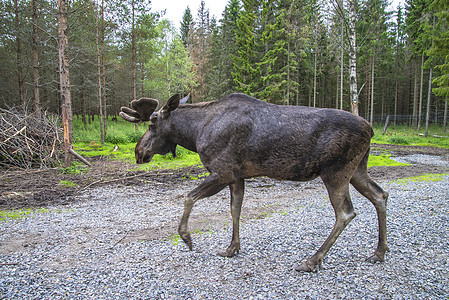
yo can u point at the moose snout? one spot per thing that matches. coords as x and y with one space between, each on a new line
143 156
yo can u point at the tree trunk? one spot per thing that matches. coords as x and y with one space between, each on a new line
421 92
372 93
37 109
64 81
395 101
314 82
445 115
19 55
83 103
429 93
103 25
341 68
354 95
100 102
415 99
133 56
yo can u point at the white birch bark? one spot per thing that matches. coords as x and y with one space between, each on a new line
354 96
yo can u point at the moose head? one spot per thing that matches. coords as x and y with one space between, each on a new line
155 139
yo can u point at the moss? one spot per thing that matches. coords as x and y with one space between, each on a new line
427 177
18 214
383 160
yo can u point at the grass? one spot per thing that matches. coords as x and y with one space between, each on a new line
383 160
427 177
67 183
18 214
122 136
120 142
404 135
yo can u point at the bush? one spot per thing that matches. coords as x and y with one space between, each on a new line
134 137
398 140
116 139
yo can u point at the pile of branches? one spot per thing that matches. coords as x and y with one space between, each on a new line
28 141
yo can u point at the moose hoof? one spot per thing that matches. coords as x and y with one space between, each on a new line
187 240
375 258
227 252
305 267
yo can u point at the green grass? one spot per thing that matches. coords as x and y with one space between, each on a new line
122 136
427 177
383 160
18 214
120 142
67 183
404 135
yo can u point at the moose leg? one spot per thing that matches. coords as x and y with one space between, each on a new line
210 186
344 213
237 191
368 188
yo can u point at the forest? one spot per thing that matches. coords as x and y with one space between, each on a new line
356 55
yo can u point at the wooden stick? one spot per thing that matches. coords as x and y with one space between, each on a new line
79 157
124 178
18 132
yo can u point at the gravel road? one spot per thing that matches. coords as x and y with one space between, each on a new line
119 242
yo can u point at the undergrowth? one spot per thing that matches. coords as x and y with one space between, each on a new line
122 136
404 135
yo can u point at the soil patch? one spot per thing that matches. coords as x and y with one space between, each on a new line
47 187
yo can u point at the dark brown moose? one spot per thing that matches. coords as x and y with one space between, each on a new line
240 137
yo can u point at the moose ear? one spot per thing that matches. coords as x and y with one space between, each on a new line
172 103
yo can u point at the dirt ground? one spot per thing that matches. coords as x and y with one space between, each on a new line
41 188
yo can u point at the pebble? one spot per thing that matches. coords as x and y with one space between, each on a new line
87 251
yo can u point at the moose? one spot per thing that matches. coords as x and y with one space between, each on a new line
240 137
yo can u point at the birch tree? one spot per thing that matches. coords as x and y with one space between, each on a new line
353 91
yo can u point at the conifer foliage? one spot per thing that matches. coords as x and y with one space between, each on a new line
359 55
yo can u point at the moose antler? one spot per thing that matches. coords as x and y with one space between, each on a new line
141 112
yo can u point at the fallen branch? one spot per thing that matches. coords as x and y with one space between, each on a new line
79 157
436 136
18 132
8 264
28 172
124 178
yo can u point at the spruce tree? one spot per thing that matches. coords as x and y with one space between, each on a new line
186 23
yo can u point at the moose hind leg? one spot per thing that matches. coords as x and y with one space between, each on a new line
373 192
237 191
344 213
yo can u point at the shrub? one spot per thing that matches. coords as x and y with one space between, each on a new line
398 140
116 139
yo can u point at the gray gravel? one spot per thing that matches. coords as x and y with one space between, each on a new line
119 242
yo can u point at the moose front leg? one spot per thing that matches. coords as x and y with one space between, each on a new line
237 191
210 186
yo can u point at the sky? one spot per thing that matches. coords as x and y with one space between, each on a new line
175 8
